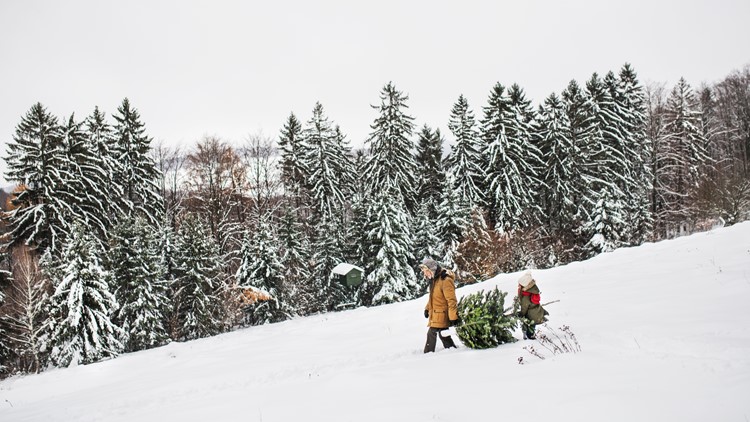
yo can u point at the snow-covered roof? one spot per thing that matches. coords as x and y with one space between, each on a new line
344 268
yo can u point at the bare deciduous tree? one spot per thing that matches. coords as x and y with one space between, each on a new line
23 310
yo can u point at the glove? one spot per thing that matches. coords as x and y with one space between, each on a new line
454 322
426 313
443 273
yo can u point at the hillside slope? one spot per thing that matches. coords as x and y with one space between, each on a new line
664 330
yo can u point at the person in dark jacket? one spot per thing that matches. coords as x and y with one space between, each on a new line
531 308
441 308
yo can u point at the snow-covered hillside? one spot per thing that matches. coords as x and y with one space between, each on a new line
664 328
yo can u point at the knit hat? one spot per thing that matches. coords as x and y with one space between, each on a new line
430 263
526 280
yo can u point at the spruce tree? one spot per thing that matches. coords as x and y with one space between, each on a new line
328 251
82 306
514 160
561 157
391 165
605 171
198 283
138 278
327 163
631 99
453 220
262 272
293 150
431 174
87 181
295 252
465 159
36 159
427 237
389 273
138 173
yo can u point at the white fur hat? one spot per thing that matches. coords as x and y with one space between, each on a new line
525 279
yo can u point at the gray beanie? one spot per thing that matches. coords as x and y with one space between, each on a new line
430 263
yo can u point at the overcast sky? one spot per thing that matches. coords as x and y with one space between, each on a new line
236 68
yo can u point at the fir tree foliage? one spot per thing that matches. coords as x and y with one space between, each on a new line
513 159
454 217
293 150
36 160
390 275
431 174
484 323
138 278
262 272
465 159
561 156
328 165
198 284
295 252
391 165
329 250
81 308
138 173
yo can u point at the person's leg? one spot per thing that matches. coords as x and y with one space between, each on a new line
429 346
528 331
447 340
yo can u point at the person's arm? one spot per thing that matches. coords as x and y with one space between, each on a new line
449 290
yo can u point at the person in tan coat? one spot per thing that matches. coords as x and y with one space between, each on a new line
441 308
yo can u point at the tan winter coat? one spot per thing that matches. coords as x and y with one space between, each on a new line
442 302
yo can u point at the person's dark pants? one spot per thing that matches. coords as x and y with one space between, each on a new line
529 330
432 335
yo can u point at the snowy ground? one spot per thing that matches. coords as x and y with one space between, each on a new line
664 328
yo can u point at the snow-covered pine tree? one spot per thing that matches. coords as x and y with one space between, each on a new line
605 170
329 250
294 246
465 159
631 99
36 161
82 306
328 165
514 160
431 174
604 221
167 248
100 136
198 284
262 272
138 174
562 166
137 277
391 165
427 240
293 150
454 217
389 273
574 103
87 181
684 156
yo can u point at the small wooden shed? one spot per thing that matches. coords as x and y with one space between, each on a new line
348 274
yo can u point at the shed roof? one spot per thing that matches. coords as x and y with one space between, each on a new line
344 268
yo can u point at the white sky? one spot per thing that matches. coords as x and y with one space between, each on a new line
238 68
